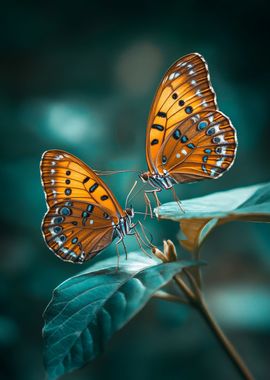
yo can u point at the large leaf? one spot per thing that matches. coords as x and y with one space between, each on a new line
251 203
87 309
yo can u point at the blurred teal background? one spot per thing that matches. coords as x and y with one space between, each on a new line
81 76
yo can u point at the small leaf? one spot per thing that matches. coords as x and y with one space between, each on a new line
203 214
87 309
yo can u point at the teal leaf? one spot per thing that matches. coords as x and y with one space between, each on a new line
86 310
203 214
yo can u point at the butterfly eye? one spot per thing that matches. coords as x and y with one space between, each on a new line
130 211
144 177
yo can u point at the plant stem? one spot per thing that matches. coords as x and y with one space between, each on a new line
196 299
226 344
186 290
160 294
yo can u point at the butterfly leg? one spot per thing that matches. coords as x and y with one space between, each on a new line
118 257
147 206
121 240
139 241
154 192
177 200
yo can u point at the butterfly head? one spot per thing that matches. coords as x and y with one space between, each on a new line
144 177
130 212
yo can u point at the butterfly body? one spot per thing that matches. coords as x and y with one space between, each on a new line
158 181
83 215
187 139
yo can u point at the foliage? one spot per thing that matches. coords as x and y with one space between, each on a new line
201 215
87 309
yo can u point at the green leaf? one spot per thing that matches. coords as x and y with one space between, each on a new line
87 309
203 214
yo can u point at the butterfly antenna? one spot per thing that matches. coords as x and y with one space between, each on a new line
175 197
138 191
141 213
112 172
130 192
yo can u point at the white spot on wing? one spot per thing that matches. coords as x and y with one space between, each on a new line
220 161
178 155
51 229
184 152
174 75
213 171
221 139
58 241
204 103
59 157
64 250
223 150
91 221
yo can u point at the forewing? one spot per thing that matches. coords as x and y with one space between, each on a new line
76 231
65 177
184 91
202 146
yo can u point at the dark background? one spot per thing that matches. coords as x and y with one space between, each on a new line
81 76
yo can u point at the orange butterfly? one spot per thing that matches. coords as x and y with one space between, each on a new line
187 139
83 215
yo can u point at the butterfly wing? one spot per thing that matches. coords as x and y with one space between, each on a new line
202 146
65 177
184 90
77 231
82 210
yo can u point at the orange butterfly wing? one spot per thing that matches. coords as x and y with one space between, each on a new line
77 231
184 90
82 210
202 146
64 176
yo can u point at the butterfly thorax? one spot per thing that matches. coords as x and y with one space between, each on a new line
158 181
124 225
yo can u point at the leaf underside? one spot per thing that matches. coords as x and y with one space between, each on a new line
203 214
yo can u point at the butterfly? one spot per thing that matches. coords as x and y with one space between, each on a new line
83 215
187 138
